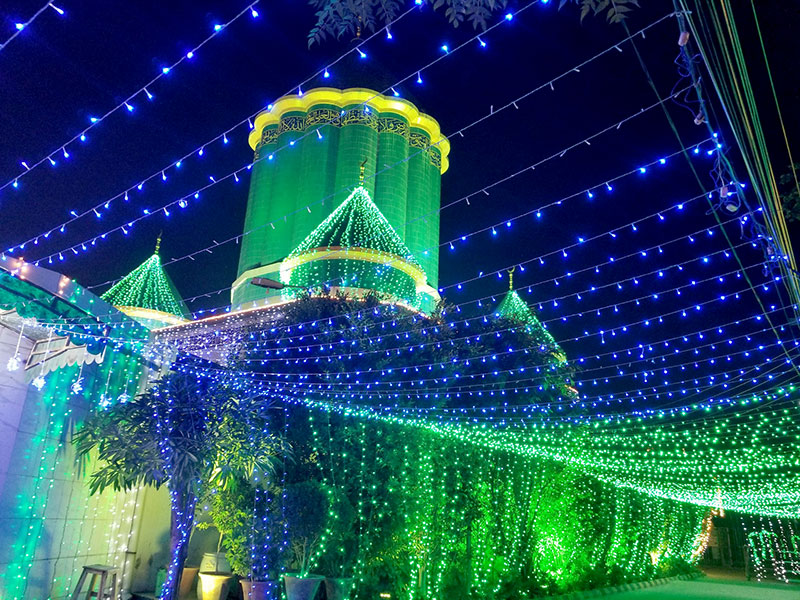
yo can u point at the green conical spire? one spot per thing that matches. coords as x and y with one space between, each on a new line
517 310
356 247
148 287
356 223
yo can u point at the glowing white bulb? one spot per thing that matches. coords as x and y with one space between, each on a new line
38 383
77 386
13 363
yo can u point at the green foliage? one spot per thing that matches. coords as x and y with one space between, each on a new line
339 19
184 431
790 196
250 527
615 10
306 513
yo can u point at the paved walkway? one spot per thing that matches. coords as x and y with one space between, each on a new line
709 588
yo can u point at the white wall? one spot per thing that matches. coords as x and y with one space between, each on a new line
49 525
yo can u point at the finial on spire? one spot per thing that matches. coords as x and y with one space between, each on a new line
511 278
158 241
361 173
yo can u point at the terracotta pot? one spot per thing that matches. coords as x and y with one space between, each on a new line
215 585
302 588
338 588
187 581
260 590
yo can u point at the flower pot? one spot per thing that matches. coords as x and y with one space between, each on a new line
260 590
187 581
213 562
302 588
338 588
215 585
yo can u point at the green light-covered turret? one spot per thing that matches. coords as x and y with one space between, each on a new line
355 249
515 309
148 295
309 149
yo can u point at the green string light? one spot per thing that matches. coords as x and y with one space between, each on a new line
147 287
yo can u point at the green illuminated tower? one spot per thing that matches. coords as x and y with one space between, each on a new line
148 295
310 149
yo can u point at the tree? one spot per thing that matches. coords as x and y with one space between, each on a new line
790 195
337 19
186 432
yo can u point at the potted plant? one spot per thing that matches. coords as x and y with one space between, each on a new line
214 575
306 512
185 431
249 521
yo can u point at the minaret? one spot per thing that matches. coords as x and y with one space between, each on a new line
309 152
148 295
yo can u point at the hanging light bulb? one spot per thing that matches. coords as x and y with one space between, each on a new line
13 363
77 386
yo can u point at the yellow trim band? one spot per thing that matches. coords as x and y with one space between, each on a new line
135 312
338 253
349 97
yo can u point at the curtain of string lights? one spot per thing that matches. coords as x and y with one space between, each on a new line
576 413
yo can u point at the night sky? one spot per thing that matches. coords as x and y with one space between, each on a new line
62 70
